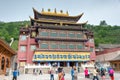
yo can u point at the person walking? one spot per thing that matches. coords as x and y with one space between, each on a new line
111 73
40 72
78 69
34 71
75 74
95 74
86 73
15 74
72 73
102 73
61 74
51 74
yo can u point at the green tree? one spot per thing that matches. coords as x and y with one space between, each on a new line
103 23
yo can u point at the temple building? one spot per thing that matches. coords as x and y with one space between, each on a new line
55 38
6 57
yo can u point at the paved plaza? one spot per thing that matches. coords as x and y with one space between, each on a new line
47 77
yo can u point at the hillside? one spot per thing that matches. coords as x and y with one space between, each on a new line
11 30
103 33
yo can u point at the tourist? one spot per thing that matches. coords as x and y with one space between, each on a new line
51 74
86 73
72 73
78 69
40 72
95 74
75 74
34 71
15 74
61 74
102 73
111 73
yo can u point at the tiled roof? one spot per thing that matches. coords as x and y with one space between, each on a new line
116 58
6 46
109 46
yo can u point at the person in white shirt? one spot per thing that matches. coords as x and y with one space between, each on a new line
95 74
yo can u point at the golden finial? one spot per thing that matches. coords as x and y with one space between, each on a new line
42 9
55 10
48 10
61 11
67 13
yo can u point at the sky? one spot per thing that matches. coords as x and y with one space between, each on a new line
94 10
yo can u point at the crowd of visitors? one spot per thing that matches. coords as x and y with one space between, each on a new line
97 73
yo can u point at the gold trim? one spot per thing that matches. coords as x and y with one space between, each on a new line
54 13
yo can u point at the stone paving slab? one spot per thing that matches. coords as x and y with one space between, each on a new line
47 77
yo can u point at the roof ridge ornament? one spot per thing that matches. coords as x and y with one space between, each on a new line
49 12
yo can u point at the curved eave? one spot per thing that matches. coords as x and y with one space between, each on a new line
72 17
4 44
58 22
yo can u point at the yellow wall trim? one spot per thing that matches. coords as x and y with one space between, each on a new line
61 56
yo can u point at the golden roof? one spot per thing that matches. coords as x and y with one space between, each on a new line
55 13
45 14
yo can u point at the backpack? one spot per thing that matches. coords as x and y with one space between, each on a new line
111 71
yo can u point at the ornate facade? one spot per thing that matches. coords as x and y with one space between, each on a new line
55 38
